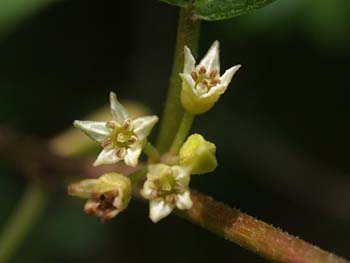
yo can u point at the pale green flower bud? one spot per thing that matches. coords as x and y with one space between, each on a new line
198 154
107 196
202 85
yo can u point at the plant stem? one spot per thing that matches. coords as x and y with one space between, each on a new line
252 234
22 220
187 34
182 132
151 152
136 176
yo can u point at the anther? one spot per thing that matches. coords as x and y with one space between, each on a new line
194 76
204 82
213 73
106 143
110 124
121 153
132 139
202 70
170 199
127 124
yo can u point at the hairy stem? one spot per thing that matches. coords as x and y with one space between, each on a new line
229 223
182 132
22 220
187 34
252 234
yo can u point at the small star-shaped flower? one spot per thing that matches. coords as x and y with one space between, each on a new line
121 138
166 187
202 85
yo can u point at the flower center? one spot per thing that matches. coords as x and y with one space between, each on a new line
121 137
205 80
103 205
167 187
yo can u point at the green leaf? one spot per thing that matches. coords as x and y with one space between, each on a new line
176 2
223 9
13 12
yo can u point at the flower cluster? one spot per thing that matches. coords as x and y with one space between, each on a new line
166 183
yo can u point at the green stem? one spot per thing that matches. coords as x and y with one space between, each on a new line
136 176
151 152
22 220
187 34
182 132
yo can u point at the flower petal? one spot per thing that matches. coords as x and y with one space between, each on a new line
225 81
144 125
183 201
119 113
182 174
132 155
211 60
159 209
147 189
97 131
189 62
107 156
189 81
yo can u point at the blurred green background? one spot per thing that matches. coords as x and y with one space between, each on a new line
282 129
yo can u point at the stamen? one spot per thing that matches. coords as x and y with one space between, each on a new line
128 124
214 82
194 76
110 124
121 153
202 70
170 199
132 139
106 143
205 82
91 207
213 73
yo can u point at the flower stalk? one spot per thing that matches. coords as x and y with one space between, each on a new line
182 132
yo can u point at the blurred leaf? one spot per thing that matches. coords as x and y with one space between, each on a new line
12 12
176 2
220 9
223 9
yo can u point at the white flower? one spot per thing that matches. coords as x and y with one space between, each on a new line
121 138
202 85
166 187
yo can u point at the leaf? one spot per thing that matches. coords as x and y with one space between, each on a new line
176 2
13 12
223 9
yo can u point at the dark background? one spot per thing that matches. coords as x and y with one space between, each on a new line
281 130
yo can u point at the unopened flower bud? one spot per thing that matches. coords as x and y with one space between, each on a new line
198 154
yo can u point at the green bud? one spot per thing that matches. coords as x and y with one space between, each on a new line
107 196
198 154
